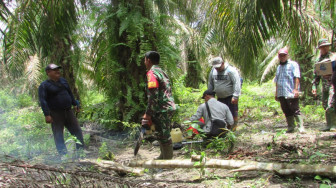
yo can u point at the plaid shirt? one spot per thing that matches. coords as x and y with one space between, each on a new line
285 78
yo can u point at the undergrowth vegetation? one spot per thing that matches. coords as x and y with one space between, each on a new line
25 134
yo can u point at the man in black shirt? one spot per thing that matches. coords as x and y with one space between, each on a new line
56 100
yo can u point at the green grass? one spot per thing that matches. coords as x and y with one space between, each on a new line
24 133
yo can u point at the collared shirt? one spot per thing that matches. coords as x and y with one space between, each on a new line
55 96
159 92
285 78
218 110
225 83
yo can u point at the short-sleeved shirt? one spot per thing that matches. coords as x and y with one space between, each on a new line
285 78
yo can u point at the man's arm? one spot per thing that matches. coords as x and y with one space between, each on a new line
210 80
43 102
152 95
236 85
67 87
276 92
74 102
296 80
198 114
276 84
229 118
296 87
315 83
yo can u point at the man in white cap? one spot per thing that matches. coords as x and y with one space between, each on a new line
287 81
225 81
327 88
56 100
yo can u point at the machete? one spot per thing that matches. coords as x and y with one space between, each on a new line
139 140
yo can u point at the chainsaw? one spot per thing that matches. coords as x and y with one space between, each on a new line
146 128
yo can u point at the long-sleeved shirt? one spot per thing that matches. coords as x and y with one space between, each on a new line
159 92
225 83
285 78
55 96
218 110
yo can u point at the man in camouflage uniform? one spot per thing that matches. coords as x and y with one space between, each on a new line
161 104
327 88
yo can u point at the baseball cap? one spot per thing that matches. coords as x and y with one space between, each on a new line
208 92
216 62
323 42
52 67
283 51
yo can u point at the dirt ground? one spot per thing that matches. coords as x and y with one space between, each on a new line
257 141
263 141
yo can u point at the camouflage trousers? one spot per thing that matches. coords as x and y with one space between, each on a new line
162 122
328 99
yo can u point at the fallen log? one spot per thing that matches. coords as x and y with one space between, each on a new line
117 167
239 165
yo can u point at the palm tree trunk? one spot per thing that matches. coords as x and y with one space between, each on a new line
193 78
61 55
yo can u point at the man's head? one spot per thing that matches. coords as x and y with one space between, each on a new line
53 71
283 55
324 46
208 94
218 63
151 58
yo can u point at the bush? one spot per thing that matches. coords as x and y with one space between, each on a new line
25 100
7 101
24 133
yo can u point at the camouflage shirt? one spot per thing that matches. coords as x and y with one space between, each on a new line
159 92
326 82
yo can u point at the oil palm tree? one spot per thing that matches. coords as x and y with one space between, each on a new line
246 29
41 32
126 30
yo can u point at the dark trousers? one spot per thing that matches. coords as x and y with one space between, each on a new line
233 107
65 118
290 107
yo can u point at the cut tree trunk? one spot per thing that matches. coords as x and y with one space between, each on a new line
239 165
117 167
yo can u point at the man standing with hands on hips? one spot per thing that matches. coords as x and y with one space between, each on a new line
56 100
287 81
225 81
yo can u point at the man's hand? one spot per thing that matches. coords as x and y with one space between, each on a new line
77 109
234 100
296 93
148 117
48 119
314 92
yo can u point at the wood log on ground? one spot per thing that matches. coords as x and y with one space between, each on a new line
239 165
117 167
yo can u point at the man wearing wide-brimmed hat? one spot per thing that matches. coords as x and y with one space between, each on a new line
327 88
